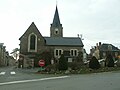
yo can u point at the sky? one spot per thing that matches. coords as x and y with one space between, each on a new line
96 20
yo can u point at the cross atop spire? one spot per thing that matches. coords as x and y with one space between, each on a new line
56 2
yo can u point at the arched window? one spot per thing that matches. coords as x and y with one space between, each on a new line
32 42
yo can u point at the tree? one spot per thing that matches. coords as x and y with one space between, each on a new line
80 57
94 64
109 61
15 53
45 55
63 64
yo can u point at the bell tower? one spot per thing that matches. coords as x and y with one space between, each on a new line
56 29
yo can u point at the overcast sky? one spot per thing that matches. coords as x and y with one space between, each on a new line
96 20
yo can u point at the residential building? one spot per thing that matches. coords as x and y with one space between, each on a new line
3 55
100 51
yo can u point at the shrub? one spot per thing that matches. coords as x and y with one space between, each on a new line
51 67
80 57
109 62
75 65
94 64
63 64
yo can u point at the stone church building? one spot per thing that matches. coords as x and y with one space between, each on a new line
34 46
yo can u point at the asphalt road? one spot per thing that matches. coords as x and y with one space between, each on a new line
100 81
9 74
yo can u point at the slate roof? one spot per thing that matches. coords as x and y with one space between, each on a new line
31 27
105 47
64 41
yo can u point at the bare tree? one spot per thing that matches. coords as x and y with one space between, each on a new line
15 53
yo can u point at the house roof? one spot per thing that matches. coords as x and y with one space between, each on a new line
106 47
64 41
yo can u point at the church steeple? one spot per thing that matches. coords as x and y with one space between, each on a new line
56 29
56 19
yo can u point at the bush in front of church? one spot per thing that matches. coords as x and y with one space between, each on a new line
109 61
94 64
63 64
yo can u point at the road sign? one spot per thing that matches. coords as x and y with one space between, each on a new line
41 63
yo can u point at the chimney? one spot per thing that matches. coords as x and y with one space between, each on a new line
99 43
96 44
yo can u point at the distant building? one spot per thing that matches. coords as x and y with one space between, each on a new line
102 50
105 49
85 55
33 44
12 61
3 55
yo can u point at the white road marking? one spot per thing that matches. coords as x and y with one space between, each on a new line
12 73
33 80
2 73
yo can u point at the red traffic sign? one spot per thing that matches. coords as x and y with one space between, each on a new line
41 63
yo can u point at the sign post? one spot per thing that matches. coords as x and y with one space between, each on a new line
41 64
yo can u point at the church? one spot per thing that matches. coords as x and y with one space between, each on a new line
34 46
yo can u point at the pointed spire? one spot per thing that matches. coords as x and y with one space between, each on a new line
56 19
